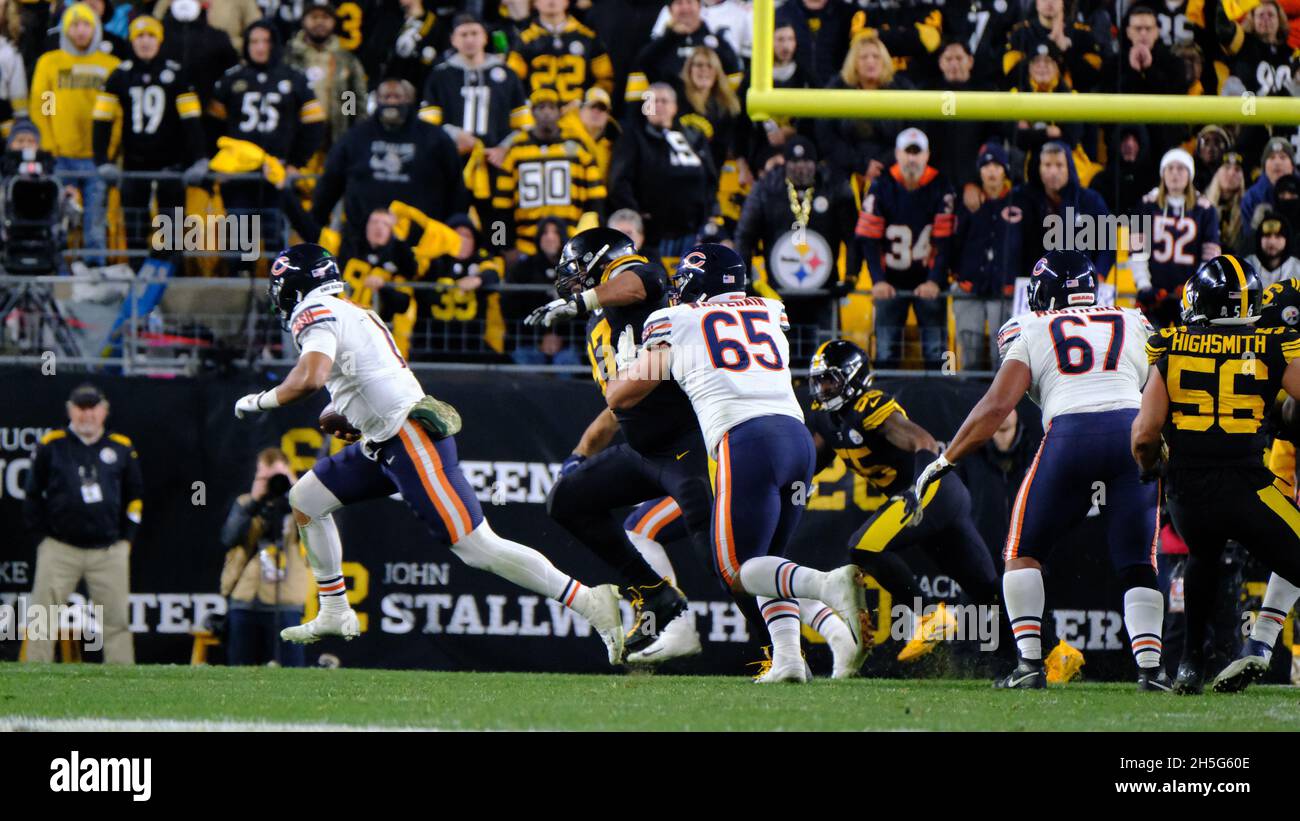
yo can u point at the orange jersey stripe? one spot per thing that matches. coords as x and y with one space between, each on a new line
447 520
446 484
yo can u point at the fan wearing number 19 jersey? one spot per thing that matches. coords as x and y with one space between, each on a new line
1085 365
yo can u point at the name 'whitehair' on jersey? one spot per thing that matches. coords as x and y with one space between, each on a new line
369 382
1082 359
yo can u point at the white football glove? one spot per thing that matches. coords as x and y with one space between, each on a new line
627 351
254 403
929 476
551 312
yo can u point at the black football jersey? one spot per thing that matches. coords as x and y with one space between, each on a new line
570 60
855 436
658 423
487 101
161 124
1281 305
271 107
1222 381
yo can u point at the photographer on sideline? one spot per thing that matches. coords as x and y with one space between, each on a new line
265 574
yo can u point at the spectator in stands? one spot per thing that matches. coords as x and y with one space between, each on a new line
1262 60
1193 60
1212 142
599 127
538 269
393 155
1048 30
269 104
905 229
67 133
1286 199
1274 259
404 46
629 222
856 146
1044 77
466 307
265 572
822 30
661 60
13 73
665 174
732 20
230 16
1179 25
987 253
84 500
24 137
713 108
799 219
1225 193
1278 161
768 138
557 52
1053 203
204 51
983 30
1144 64
958 141
1131 171
335 74
109 43
545 175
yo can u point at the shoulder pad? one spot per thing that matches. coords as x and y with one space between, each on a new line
53 436
122 439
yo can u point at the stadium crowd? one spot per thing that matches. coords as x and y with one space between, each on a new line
459 143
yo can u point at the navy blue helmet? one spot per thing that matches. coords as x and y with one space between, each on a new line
1062 279
298 271
708 269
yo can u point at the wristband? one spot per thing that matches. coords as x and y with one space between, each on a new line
263 403
589 300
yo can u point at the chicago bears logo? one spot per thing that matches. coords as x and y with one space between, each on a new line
280 265
1039 267
694 261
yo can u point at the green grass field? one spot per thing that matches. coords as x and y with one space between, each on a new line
96 697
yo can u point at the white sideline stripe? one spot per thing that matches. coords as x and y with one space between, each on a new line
12 724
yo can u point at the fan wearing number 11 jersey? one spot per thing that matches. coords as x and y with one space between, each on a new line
1085 366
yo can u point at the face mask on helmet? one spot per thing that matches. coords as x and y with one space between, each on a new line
573 274
831 386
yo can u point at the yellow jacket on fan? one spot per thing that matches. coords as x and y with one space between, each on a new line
64 86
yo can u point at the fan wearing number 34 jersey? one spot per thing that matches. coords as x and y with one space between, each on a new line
728 352
1085 366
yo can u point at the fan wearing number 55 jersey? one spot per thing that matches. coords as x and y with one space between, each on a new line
1085 366
729 353
406 446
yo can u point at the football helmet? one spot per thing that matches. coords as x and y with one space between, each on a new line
839 374
1280 307
1062 279
1224 291
297 272
584 258
708 269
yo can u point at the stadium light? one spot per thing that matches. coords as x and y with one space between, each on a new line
763 101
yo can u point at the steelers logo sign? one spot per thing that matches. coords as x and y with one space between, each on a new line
1291 315
801 265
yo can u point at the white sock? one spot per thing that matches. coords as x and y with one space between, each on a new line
325 555
1022 591
1279 598
654 555
781 578
516 563
1144 613
782 618
826 624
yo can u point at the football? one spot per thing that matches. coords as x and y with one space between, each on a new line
335 423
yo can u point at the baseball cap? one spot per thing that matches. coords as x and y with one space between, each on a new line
86 395
319 5
466 18
1275 145
596 96
911 137
544 95
1232 157
800 148
993 152
1271 225
144 24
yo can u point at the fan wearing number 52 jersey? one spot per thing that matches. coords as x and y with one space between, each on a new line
407 445
1085 365
729 353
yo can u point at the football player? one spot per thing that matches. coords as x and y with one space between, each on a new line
407 444
728 353
870 431
1082 364
1212 381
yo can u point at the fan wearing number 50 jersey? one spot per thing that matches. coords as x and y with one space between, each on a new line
1085 365
729 353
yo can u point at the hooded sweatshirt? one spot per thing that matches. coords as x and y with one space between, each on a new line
1287 267
1074 201
74 77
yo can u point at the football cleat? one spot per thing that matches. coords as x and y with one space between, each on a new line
1246 670
327 623
935 627
792 670
849 658
845 592
599 606
678 640
654 607
1154 680
1191 679
1063 663
1028 675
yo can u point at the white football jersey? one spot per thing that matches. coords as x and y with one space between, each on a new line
369 383
1083 359
731 358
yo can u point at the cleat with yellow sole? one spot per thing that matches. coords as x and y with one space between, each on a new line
935 627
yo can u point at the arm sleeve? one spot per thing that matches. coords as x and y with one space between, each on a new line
34 501
622 170
309 130
1011 342
870 230
941 238
235 528
187 107
329 187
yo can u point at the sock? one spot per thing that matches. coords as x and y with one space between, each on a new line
1279 598
1023 593
1200 586
654 555
325 555
826 623
516 563
774 576
1144 612
782 619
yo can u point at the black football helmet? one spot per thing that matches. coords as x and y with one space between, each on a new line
584 258
1280 307
1224 291
708 269
298 271
839 374
1062 279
